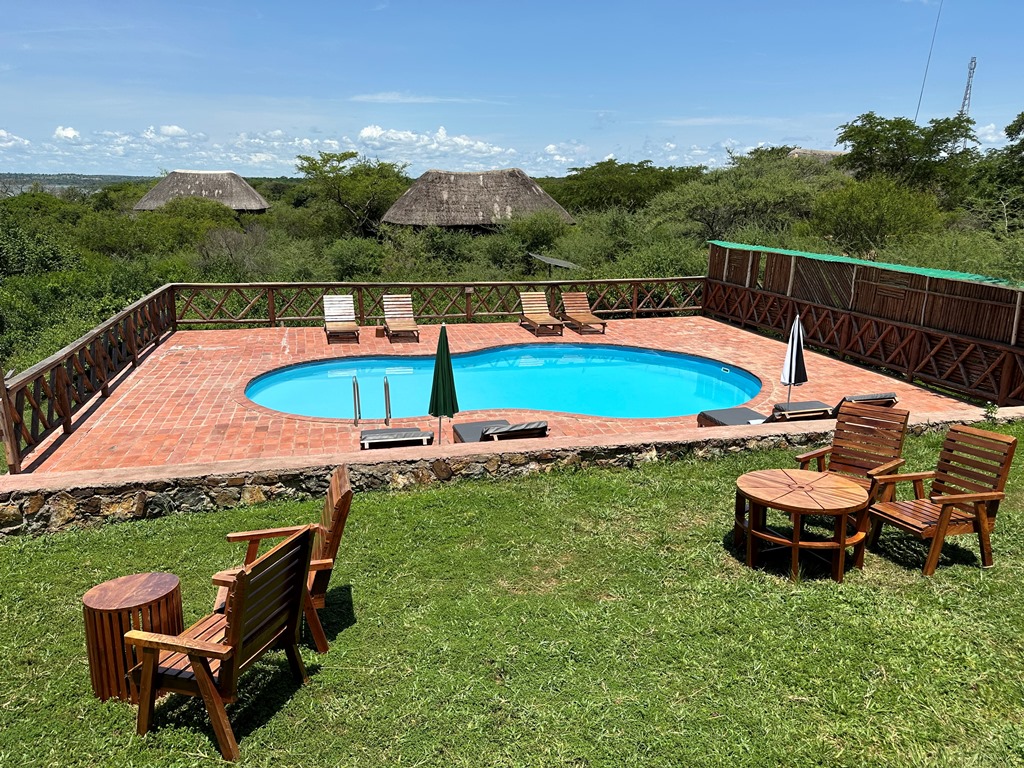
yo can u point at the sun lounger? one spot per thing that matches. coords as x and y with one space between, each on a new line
536 316
393 438
340 317
734 417
883 399
398 316
577 314
498 429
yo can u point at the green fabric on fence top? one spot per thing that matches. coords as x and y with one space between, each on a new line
941 273
443 401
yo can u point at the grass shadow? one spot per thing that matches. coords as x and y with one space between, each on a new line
262 692
337 615
910 552
778 560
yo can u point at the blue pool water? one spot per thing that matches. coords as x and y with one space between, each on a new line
590 379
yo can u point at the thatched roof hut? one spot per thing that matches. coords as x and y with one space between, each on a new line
480 199
223 186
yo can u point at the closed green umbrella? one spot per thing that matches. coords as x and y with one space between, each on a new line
443 401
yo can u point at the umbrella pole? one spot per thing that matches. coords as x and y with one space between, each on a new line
440 439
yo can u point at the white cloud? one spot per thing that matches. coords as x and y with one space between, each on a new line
68 134
989 134
433 149
172 130
9 140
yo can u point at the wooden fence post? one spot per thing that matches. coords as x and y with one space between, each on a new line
172 309
271 309
1006 379
8 429
469 303
62 391
359 306
636 298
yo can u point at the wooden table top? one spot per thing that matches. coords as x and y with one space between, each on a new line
131 591
798 490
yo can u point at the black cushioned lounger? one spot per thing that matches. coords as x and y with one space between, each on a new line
499 429
392 438
735 417
807 409
882 399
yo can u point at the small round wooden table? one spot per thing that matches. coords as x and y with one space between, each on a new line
800 492
150 602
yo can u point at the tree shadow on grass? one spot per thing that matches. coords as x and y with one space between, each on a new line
264 689
778 560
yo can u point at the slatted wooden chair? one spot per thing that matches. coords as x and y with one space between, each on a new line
535 314
340 317
967 486
337 504
399 319
264 606
577 314
867 442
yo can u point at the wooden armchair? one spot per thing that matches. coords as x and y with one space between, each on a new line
536 316
577 314
867 442
967 486
264 606
325 550
399 318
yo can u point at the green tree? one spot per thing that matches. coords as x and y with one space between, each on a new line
934 157
867 216
355 192
610 184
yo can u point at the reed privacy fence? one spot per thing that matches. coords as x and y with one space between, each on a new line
955 333
48 396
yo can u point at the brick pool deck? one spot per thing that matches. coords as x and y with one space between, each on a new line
185 403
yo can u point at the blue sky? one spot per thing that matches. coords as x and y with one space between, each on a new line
140 87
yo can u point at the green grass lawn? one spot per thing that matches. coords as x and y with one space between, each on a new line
587 618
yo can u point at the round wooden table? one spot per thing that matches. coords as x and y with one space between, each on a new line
799 493
147 601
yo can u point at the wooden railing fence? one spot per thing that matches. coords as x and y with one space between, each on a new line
47 396
248 304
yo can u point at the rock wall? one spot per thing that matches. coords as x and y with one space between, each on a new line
53 505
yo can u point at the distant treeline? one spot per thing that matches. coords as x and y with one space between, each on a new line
73 252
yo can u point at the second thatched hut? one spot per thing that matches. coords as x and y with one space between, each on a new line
477 199
223 186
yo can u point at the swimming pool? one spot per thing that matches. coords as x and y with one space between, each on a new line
588 379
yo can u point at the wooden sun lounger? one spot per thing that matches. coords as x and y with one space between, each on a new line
536 316
399 319
577 314
340 317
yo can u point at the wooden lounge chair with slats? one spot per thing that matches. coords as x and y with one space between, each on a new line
399 319
536 316
577 314
337 505
340 318
264 606
967 486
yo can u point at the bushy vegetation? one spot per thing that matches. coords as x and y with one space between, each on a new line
919 195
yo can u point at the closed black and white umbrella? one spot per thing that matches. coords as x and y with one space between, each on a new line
794 372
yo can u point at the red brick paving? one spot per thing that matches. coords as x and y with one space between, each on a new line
185 403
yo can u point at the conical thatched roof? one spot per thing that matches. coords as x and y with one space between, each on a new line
223 186
450 199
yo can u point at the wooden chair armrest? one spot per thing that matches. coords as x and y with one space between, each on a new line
267 533
818 453
186 645
226 577
884 469
321 565
909 476
967 498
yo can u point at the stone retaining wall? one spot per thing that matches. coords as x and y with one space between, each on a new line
42 504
